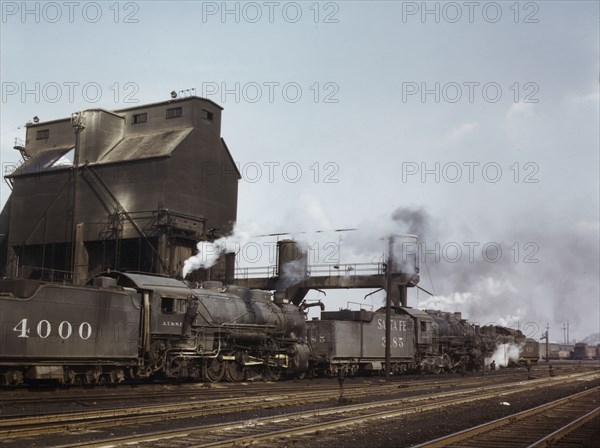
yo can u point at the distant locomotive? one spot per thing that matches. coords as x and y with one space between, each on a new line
531 352
421 341
583 351
143 326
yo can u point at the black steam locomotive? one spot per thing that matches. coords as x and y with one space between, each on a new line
421 341
127 325
142 326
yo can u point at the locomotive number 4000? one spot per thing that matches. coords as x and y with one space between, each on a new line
44 328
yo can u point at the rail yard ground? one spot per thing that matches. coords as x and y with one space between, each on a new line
421 427
372 413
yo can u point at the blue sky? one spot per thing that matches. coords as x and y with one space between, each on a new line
350 114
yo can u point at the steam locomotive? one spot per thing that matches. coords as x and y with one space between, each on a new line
129 325
421 341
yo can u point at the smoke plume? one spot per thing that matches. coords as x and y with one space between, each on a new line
521 273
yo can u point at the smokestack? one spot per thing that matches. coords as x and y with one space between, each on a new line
292 262
402 267
229 268
403 295
403 258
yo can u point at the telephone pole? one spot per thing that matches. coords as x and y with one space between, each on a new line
388 312
547 342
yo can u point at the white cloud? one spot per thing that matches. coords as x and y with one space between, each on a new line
519 110
517 124
588 228
450 302
459 133
582 99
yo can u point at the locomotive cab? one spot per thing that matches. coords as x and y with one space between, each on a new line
423 328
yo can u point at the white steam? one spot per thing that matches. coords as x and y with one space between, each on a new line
482 304
504 354
208 252
293 272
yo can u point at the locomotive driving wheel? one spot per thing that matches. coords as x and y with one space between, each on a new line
69 377
213 370
234 371
12 378
273 373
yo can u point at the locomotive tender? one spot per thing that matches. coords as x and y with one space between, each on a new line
355 340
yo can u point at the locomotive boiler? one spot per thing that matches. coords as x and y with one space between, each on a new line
456 342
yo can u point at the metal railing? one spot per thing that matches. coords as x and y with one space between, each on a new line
316 270
44 274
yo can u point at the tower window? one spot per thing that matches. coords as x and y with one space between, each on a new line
43 134
174 112
140 118
207 115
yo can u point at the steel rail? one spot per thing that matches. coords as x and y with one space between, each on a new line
161 394
471 433
561 433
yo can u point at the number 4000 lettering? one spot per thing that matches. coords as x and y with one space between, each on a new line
43 329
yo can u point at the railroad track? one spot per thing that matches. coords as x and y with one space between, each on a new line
198 406
49 406
216 390
207 392
542 426
272 428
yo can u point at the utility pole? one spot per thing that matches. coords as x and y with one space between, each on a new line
547 343
77 247
388 311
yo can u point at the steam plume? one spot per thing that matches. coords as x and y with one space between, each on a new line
208 252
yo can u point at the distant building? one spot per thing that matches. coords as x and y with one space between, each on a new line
130 189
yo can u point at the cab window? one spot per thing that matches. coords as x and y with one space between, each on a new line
170 305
